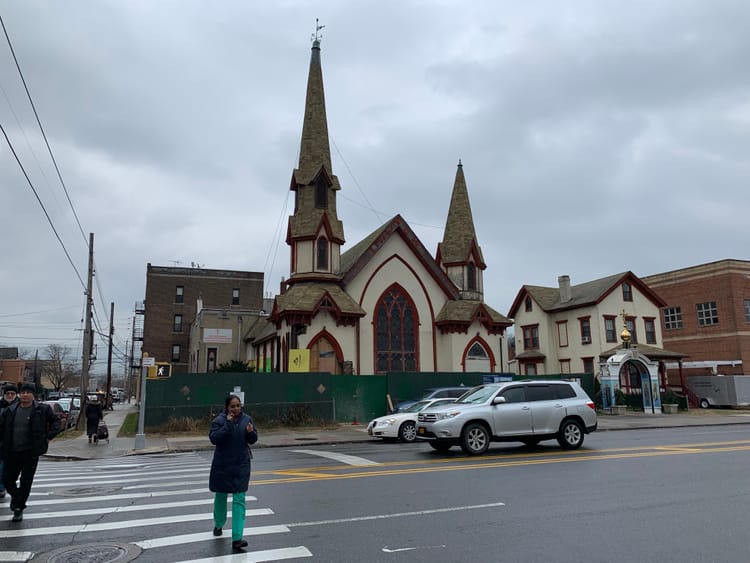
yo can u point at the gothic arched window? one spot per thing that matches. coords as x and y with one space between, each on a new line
321 193
322 252
396 325
471 277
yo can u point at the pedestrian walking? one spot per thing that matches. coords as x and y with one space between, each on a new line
10 396
26 427
94 413
231 432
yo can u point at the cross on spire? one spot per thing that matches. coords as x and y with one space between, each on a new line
316 36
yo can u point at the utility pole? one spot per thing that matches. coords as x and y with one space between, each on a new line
108 396
88 339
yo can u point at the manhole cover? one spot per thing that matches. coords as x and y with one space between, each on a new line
93 490
92 553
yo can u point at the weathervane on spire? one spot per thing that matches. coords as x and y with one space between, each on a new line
316 36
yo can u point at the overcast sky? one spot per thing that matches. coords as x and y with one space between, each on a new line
596 137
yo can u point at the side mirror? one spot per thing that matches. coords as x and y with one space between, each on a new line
498 400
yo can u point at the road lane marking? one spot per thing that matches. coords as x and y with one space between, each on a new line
257 556
387 549
343 458
395 515
104 526
191 538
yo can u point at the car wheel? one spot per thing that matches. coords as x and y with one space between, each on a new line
531 442
570 436
408 431
705 404
441 447
475 439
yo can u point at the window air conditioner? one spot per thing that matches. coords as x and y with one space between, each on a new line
585 340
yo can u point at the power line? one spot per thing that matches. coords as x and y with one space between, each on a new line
49 219
44 135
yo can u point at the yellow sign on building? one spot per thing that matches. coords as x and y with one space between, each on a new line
299 360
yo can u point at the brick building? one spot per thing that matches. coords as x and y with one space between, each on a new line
707 316
172 295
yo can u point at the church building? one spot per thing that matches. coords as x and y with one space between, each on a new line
385 304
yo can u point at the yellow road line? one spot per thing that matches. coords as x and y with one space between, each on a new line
494 463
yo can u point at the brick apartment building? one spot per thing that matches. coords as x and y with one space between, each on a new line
707 316
172 295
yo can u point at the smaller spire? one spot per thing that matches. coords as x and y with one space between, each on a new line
459 163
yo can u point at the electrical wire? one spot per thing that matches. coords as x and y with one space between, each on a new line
49 219
39 122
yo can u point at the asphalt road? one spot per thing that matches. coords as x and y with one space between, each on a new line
669 495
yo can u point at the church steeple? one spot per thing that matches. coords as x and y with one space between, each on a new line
459 254
315 232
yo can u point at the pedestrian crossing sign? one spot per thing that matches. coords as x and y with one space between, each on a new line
160 370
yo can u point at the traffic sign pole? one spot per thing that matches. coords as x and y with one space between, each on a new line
140 438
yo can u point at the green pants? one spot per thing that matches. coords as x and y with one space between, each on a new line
238 513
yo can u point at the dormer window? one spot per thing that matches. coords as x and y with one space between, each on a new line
322 253
321 193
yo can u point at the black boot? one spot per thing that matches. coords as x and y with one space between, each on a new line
218 531
239 545
18 516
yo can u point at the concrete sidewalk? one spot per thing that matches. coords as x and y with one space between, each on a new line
79 448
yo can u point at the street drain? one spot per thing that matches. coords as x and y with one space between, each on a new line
92 490
305 439
92 553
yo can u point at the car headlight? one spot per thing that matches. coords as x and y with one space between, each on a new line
448 415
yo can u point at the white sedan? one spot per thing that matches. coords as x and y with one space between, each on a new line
402 425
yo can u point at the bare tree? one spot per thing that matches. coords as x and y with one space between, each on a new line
59 368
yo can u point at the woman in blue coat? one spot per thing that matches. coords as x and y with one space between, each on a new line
232 432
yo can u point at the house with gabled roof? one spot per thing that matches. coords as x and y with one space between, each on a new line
385 304
572 328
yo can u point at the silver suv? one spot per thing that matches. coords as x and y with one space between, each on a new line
519 411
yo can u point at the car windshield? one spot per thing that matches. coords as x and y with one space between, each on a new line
478 395
416 407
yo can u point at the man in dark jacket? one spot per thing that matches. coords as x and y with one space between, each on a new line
25 430
10 396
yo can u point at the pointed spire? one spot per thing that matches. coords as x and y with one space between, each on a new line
314 149
459 236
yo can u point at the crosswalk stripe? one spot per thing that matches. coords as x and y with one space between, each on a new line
111 481
80 477
257 556
189 538
16 555
103 526
118 509
115 498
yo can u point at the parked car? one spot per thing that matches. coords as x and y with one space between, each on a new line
401 425
433 393
521 411
65 420
72 406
